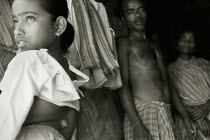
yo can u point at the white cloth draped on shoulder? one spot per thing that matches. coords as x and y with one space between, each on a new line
33 73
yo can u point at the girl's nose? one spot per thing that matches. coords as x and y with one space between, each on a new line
19 30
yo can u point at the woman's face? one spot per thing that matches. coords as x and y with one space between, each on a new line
34 28
186 43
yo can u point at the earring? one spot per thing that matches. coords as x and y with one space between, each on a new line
57 35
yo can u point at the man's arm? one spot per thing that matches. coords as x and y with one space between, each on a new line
169 86
126 97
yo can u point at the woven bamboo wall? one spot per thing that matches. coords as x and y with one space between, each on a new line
7 43
101 116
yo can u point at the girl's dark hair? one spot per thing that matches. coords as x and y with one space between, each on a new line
59 8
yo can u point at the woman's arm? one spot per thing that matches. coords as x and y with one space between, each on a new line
180 108
200 111
68 128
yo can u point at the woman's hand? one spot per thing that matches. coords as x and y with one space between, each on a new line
200 112
204 126
190 128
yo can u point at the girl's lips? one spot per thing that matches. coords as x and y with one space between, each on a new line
21 43
20 38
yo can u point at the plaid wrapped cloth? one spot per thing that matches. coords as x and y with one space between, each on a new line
1 71
156 117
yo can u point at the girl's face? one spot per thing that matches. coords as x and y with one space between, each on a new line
186 43
34 28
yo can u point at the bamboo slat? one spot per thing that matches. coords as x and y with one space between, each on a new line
7 45
5 58
6 13
8 49
1 71
5 34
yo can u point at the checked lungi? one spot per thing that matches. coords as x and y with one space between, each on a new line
156 117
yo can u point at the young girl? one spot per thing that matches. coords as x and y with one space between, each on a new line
38 99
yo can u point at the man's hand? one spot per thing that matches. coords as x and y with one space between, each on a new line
141 133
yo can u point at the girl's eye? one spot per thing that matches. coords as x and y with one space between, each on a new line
30 18
15 21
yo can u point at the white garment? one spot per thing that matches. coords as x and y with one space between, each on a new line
33 73
39 132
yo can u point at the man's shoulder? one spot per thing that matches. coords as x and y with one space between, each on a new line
122 43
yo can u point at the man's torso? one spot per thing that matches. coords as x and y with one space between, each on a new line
145 75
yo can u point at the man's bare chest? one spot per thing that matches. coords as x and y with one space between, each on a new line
142 53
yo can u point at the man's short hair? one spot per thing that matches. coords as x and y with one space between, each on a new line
145 3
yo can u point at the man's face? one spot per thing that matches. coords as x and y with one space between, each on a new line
134 14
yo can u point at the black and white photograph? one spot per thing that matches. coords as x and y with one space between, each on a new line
104 70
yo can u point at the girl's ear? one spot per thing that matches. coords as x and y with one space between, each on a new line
61 24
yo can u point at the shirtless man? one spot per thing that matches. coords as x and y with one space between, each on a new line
145 92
